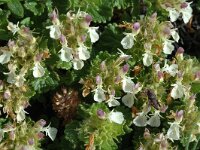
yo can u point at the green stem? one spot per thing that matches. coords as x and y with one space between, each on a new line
195 145
188 143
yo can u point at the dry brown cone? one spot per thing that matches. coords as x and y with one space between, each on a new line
65 103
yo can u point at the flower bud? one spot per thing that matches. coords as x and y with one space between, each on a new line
12 135
103 66
31 141
180 50
42 122
88 19
146 134
197 75
98 80
184 5
179 115
125 68
7 94
101 114
136 26
40 135
62 39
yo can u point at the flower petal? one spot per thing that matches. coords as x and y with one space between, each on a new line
128 100
147 59
83 53
116 117
128 41
93 34
168 47
77 64
5 57
66 54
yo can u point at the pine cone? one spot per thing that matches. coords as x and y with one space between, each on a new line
65 103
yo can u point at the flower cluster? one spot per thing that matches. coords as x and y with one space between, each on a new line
73 34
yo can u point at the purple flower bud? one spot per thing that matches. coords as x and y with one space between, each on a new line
117 79
184 5
167 31
193 97
88 19
125 68
11 44
113 92
12 135
83 38
136 26
62 39
163 108
31 141
197 75
98 80
103 66
180 50
136 86
101 114
147 134
160 75
40 135
42 122
180 74
53 15
7 94
179 115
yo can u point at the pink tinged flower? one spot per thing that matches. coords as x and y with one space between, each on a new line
173 132
83 53
12 135
99 95
127 85
98 80
116 117
5 57
7 94
63 39
77 64
172 69
101 114
38 70
128 41
175 35
168 47
136 26
140 120
93 34
55 32
124 56
154 120
128 99
117 79
147 59
66 54
31 141
41 122
177 91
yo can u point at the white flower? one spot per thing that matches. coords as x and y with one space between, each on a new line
175 35
21 114
77 64
154 121
13 27
99 95
128 99
5 57
116 117
51 132
128 41
140 120
177 91
185 10
147 59
38 70
83 53
168 47
66 54
173 14
173 132
112 101
55 32
172 69
11 75
93 34
127 85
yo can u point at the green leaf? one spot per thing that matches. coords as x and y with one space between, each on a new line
122 3
5 35
100 10
45 83
16 7
196 87
64 65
